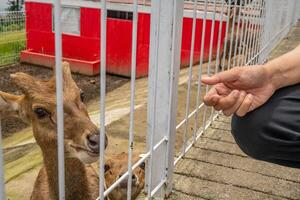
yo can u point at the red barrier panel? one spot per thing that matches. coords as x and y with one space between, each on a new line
83 50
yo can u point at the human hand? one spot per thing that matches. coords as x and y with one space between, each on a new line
239 90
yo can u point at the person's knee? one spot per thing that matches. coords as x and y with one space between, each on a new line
248 134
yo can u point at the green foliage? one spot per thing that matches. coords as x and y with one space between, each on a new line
15 5
14 21
11 27
12 36
10 46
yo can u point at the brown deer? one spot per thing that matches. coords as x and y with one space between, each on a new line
37 106
115 167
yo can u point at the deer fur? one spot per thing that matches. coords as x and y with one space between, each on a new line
37 106
115 167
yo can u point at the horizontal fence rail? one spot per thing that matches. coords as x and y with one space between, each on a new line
223 35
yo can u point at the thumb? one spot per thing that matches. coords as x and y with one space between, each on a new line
226 76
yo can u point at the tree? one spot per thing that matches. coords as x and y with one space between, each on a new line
15 5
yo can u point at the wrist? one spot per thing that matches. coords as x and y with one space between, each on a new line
274 75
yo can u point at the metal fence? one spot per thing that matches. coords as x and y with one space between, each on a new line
253 28
12 36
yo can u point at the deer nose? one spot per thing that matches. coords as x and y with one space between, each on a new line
123 184
93 141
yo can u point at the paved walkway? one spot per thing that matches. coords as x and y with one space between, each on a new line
217 169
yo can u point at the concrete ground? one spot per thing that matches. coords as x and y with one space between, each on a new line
215 168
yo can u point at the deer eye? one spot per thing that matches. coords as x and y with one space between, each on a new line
82 96
106 168
41 113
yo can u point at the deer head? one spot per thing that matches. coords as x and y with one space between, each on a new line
115 168
37 106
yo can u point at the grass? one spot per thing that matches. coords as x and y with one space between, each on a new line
11 43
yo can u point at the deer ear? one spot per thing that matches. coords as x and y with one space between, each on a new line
67 75
25 82
10 105
66 71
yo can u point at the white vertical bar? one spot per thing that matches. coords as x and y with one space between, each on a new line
155 26
103 14
210 58
155 13
258 44
132 94
295 11
173 97
231 36
226 36
199 89
2 187
294 16
259 32
255 34
59 99
219 38
291 11
211 39
165 46
187 110
242 33
237 34
267 28
218 45
244 39
249 31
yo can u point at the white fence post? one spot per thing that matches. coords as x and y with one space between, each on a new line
267 30
298 10
59 99
295 7
165 45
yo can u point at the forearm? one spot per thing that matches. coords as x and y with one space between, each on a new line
284 70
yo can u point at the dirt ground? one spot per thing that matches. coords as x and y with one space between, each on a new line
89 84
119 129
